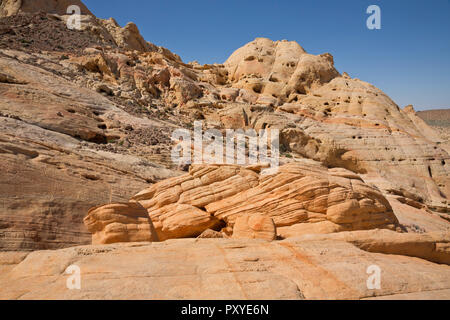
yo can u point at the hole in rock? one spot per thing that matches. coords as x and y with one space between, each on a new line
91 177
257 89
273 79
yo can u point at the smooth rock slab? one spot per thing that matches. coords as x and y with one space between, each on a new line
221 269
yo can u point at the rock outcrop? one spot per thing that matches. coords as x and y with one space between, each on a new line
439 120
336 119
97 94
280 69
302 197
86 118
254 227
13 7
120 222
58 158
312 267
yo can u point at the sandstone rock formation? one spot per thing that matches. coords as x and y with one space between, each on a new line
278 69
312 267
254 227
439 120
371 135
13 7
55 158
65 148
120 222
211 234
86 118
434 246
302 197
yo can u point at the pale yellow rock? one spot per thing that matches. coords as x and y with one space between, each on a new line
304 192
120 222
278 69
311 267
62 111
351 124
254 227
127 37
304 196
211 234
181 221
297 230
429 132
418 219
433 246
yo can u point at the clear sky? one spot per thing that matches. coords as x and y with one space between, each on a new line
409 58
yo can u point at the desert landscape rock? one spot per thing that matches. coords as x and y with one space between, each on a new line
254 227
13 7
301 193
312 267
86 123
120 222
439 120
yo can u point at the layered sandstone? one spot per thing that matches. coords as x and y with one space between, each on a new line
254 227
92 110
120 222
301 197
312 267
85 123
280 69
336 119
56 154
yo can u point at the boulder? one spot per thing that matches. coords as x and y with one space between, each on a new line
297 199
120 222
211 234
254 227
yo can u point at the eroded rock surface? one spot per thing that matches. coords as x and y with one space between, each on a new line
302 197
86 118
254 227
313 267
13 7
120 222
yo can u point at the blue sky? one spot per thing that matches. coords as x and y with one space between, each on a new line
409 58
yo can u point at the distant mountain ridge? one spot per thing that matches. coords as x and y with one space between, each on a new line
437 117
